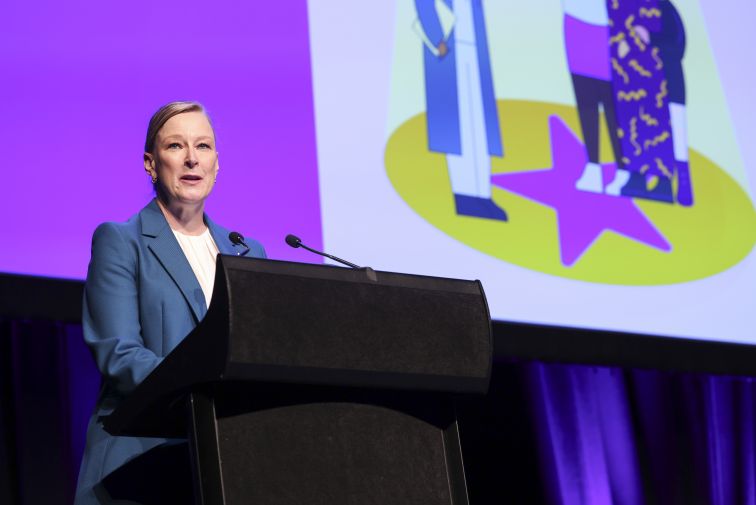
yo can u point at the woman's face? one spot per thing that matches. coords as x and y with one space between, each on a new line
185 161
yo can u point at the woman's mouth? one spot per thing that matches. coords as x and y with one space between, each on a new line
191 179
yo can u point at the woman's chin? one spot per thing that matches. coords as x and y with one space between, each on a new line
188 198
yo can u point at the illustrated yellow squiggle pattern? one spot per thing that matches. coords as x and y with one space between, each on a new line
634 136
661 94
657 59
632 96
663 136
639 68
662 167
621 71
649 13
617 38
648 118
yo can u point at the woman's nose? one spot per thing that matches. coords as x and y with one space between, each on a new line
191 160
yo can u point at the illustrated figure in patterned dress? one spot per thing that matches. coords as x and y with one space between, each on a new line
642 96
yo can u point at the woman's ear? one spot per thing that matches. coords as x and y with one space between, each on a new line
149 166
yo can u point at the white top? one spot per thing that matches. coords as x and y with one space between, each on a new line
201 251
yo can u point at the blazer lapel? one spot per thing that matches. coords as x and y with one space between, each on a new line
168 252
220 236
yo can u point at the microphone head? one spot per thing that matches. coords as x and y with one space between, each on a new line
293 241
236 237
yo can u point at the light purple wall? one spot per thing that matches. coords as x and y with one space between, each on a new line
79 81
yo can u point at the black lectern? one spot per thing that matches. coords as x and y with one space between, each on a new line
318 384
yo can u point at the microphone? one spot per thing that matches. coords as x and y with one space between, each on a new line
296 242
238 239
293 241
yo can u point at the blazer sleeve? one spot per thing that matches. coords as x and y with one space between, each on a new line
111 311
426 13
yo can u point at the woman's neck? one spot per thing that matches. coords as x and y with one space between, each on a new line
183 218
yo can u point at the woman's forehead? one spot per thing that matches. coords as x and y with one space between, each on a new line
193 124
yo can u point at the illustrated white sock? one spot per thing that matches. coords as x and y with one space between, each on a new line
620 179
592 179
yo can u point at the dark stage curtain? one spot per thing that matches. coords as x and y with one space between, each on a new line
545 433
628 437
48 387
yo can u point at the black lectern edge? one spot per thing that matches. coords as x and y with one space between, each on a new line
325 271
305 378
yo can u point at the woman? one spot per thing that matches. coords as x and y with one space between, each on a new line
149 283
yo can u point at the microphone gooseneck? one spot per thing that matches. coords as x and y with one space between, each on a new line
296 242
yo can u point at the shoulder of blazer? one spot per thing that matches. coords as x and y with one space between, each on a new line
225 246
152 220
121 238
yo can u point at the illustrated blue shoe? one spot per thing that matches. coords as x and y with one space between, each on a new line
663 191
636 187
474 206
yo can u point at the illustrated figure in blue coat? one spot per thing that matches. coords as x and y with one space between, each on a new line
461 108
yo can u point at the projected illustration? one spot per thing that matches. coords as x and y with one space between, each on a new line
462 119
599 184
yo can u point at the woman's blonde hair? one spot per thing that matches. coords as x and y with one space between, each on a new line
166 112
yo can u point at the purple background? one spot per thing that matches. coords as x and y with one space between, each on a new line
79 81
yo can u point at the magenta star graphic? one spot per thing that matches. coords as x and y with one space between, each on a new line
581 216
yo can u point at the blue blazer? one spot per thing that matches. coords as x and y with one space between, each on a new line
140 300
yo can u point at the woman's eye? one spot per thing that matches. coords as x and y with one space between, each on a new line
204 146
174 145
